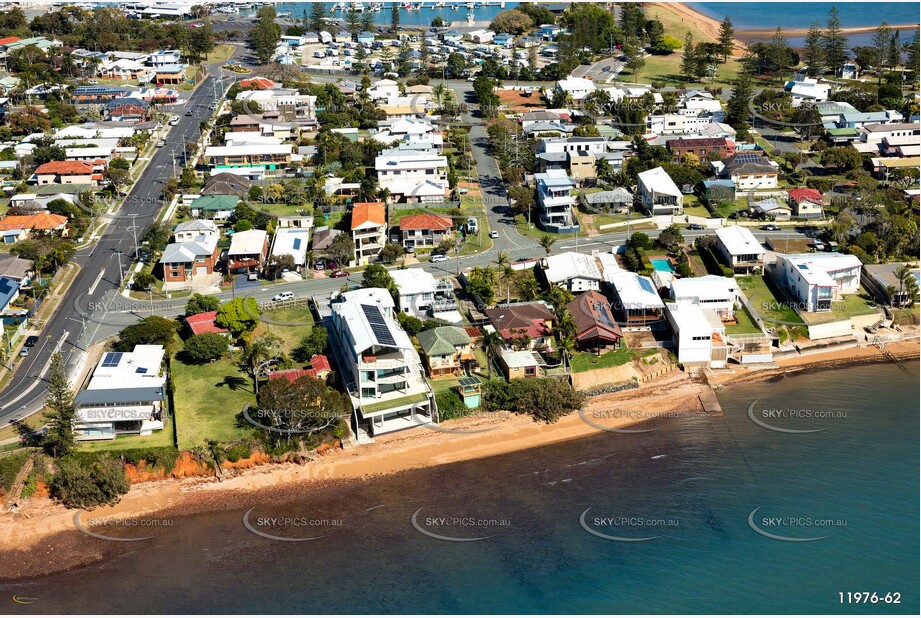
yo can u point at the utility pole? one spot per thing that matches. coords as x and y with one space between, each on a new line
134 232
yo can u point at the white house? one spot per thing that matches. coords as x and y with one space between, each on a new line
807 90
188 231
380 367
592 145
721 294
636 301
700 337
414 176
292 241
576 87
124 396
555 201
416 290
695 102
816 280
576 272
739 249
659 192
384 90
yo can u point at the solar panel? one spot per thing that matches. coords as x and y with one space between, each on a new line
297 244
748 157
646 284
603 316
468 381
111 359
378 325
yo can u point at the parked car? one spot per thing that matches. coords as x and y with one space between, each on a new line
494 234
438 257
695 226
819 245
188 112
770 227
24 351
283 296
31 340
339 273
161 143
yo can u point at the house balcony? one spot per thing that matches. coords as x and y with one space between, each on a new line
444 304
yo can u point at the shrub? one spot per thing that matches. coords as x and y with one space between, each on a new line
545 399
204 348
450 405
237 451
88 486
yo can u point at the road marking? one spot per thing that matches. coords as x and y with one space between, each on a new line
96 282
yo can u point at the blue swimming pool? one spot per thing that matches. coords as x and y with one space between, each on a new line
662 265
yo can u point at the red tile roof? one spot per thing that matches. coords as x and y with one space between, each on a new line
40 221
798 195
363 212
65 168
593 317
318 362
257 82
203 323
9 39
527 319
425 221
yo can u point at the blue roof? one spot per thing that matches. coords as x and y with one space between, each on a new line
8 289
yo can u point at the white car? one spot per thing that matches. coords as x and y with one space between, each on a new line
494 234
438 257
283 296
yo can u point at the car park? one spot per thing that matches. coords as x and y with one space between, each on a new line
282 296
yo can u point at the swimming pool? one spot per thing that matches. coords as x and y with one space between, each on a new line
662 265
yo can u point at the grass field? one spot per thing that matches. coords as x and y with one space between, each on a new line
290 325
849 306
744 325
768 300
586 361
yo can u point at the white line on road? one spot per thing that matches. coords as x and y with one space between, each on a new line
96 282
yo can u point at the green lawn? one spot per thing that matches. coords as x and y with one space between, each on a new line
744 325
208 399
694 207
392 403
767 300
291 325
668 70
586 361
849 306
158 439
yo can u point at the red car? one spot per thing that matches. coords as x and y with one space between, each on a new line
339 273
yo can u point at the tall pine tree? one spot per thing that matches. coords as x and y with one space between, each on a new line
834 42
914 58
61 411
688 58
317 17
882 38
394 17
726 38
814 51
737 107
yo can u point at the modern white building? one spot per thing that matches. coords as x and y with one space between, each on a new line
739 249
576 272
816 280
700 337
576 87
555 201
807 90
413 176
292 241
660 194
379 365
636 300
124 396
416 290
721 294
592 145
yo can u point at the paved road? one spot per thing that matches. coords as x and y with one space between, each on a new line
102 267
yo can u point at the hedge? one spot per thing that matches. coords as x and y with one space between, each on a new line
714 266
156 457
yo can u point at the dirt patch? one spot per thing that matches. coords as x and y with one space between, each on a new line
518 102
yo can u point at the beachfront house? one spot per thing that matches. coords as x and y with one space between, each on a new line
720 294
738 248
816 280
699 335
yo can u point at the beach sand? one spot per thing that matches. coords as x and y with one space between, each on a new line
41 538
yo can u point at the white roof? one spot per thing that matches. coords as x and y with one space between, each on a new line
710 287
250 149
690 319
196 225
571 265
412 160
633 290
516 359
817 268
129 369
355 319
292 241
658 180
739 240
416 188
572 84
609 264
411 281
249 242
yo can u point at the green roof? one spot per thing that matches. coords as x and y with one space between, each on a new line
843 132
442 340
55 188
215 202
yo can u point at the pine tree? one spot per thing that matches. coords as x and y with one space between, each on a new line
354 22
61 411
779 53
834 42
367 22
738 105
882 38
726 38
895 51
317 16
394 18
688 58
914 57
814 51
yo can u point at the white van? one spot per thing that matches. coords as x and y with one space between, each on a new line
319 54
174 120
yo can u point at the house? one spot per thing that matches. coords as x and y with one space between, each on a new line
217 207
659 193
481 36
16 268
807 90
616 200
720 294
770 208
532 320
592 145
636 301
227 184
446 351
807 203
384 90
859 120
297 221
416 290
581 166
704 148
577 88
717 190
322 237
369 230
188 231
425 230
319 369
124 68
164 57
699 334
749 170
576 272
555 201
261 156
413 176
201 323
596 327
169 74
126 110
881 281
738 248
22 227
292 241
124 395
816 280
182 261
247 252
518 364
9 292
66 172
694 102
380 367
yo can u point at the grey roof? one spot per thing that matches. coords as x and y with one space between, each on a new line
14 267
184 252
120 395
603 197
442 340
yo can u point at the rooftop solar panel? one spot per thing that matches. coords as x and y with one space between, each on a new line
646 284
378 325
111 359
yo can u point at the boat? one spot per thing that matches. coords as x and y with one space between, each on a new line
283 15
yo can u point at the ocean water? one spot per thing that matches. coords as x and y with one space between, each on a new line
690 486
451 12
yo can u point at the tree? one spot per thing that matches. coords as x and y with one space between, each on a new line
834 42
280 263
546 243
353 20
202 303
204 348
670 238
511 22
341 249
376 276
634 53
300 408
490 342
726 38
779 54
144 281
317 16
311 344
882 37
439 22
117 177
688 58
639 240
914 58
842 159
394 18
240 315
258 355
152 330
391 252
264 36
100 483
738 104
814 50
59 402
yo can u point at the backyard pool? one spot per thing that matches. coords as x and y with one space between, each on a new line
662 265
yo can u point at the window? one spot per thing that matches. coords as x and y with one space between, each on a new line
530 371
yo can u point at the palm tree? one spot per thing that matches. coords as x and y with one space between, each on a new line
904 275
490 343
528 288
911 291
505 270
257 355
546 242
565 334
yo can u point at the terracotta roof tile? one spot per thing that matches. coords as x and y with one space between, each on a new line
365 212
425 221
65 167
